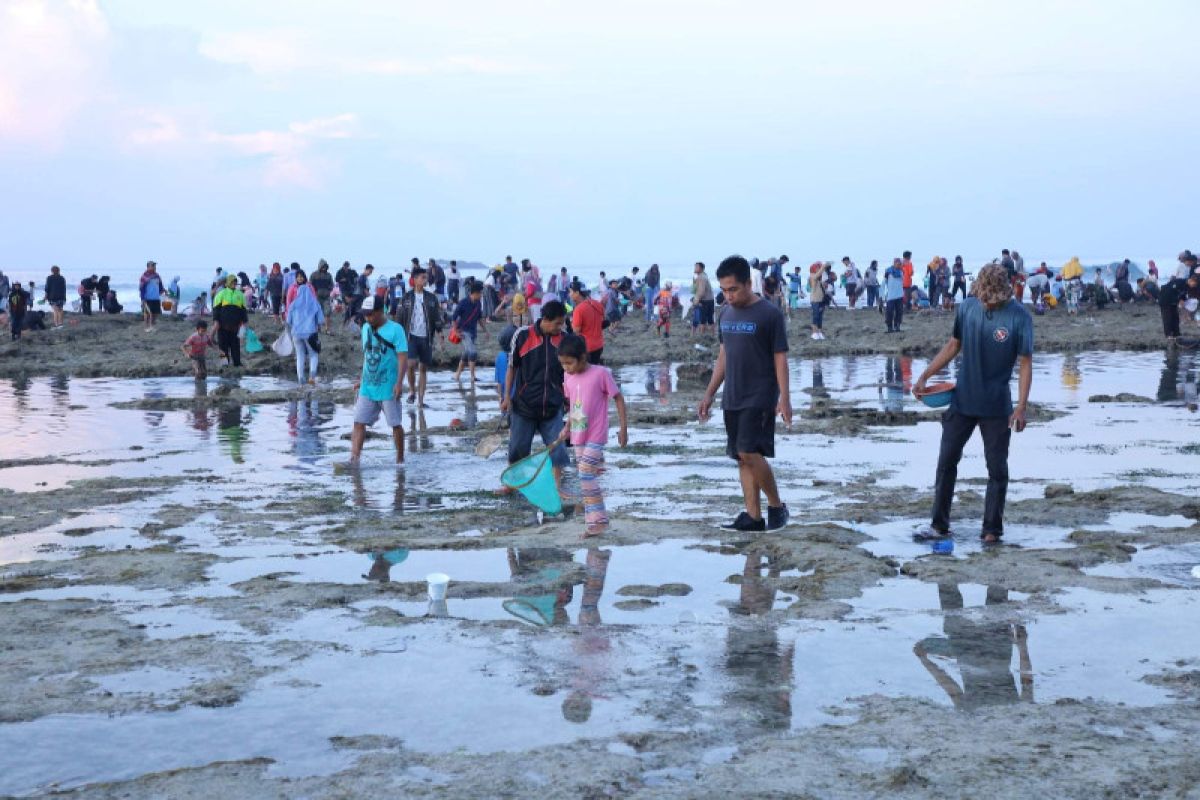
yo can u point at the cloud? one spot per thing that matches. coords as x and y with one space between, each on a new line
283 51
154 128
53 57
289 157
271 52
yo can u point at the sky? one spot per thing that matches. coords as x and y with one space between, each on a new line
214 133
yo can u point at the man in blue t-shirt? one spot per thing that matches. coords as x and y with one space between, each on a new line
992 332
893 295
385 356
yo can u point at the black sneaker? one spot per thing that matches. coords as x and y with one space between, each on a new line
777 517
745 522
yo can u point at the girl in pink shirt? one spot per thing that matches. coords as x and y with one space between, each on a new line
587 389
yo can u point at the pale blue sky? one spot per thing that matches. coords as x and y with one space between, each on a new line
230 133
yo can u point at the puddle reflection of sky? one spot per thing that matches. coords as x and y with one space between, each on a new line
752 667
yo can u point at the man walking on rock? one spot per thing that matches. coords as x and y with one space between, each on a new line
421 316
992 332
752 364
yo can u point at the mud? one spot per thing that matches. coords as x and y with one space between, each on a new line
101 346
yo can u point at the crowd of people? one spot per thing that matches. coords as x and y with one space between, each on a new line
552 332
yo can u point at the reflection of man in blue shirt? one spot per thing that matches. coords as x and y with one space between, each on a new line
992 332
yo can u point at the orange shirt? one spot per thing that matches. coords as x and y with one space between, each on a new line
907 269
588 322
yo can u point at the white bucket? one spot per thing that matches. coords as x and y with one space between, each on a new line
438 581
437 608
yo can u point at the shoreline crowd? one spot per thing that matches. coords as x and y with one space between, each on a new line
553 330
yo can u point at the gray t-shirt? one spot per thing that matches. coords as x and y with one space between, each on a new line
991 343
751 336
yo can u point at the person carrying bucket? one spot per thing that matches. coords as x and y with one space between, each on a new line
992 331
533 390
587 389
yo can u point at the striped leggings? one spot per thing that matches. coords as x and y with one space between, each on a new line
589 458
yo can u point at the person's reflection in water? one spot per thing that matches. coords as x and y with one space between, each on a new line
231 431
1168 382
198 415
906 370
20 389
759 667
651 382
470 409
545 570
60 391
983 650
1188 387
360 498
1072 376
154 391
304 426
401 490
592 646
891 391
818 386
382 563
418 439
663 373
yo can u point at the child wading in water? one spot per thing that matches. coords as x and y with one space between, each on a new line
196 347
588 388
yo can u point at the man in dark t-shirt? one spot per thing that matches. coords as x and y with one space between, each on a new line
992 332
752 364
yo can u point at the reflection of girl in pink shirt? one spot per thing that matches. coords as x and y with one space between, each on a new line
587 389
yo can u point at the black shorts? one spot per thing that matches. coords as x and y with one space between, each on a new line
596 356
750 430
154 307
420 350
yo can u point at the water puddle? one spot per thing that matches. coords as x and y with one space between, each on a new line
568 642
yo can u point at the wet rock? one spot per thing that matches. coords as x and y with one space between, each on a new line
635 605
366 742
644 590
1122 397
694 374
1057 490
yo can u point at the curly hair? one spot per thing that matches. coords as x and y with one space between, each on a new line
992 285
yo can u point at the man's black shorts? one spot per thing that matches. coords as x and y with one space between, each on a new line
750 430
154 307
420 350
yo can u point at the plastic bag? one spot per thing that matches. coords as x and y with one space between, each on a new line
283 345
253 345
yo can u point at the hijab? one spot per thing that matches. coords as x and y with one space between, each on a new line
304 314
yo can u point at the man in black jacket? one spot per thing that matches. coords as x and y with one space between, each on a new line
535 372
347 279
56 294
322 283
421 316
88 288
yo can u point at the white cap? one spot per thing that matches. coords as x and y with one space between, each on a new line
368 304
